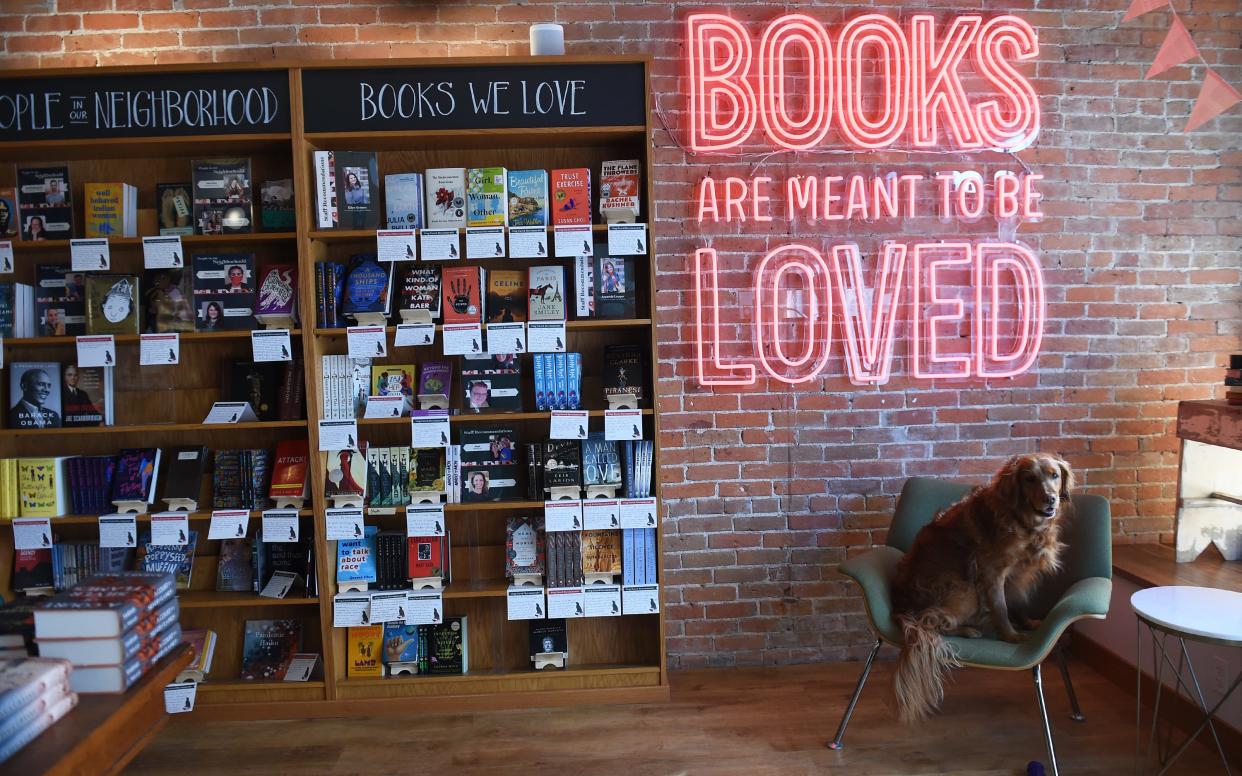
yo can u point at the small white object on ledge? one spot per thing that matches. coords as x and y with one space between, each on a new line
547 40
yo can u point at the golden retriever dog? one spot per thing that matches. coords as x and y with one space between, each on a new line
968 565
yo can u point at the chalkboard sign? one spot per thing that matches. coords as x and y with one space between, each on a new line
92 107
489 96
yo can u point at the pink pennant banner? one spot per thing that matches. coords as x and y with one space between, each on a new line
1216 97
1178 47
1140 7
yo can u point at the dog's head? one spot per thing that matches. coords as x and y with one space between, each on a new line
1036 485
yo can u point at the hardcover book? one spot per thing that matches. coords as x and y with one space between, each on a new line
269 647
528 197
601 552
427 470
357 189
223 199
449 647
167 300
394 380
601 462
32 571
404 194
183 478
60 300
104 605
462 300
420 288
618 191
446 197
435 378
506 296
235 572
427 556
34 394
175 559
346 472
401 643
562 463
289 473
366 651
367 286
547 293
44 204
135 476
8 212
86 395
175 208
111 210
548 636
571 197
278 295
487 197
224 287
276 199
623 370
614 287
111 304
524 546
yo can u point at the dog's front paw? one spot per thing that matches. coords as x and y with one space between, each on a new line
1012 637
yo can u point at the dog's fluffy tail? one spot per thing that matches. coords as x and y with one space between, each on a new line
919 681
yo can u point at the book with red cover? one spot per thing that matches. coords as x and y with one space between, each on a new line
104 605
426 556
462 298
571 197
32 570
292 466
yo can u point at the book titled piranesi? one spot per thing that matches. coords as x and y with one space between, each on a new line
571 196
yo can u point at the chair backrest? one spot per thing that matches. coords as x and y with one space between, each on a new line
1087 534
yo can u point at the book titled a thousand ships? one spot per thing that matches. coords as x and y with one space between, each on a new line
104 605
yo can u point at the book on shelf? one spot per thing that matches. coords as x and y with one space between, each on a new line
388 475
584 286
86 395
111 304
357 181
623 371
223 198
449 647
571 196
42 486
60 301
175 559
167 296
202 644
391 571
17 311
614 287
364 651
524 545
240 479
74 561
601 461
403 195
256 382
291 470
403 644
103 606
183 477
111 210
506 296
394 380
558 381
288 557
8 212
235 571
618 191
446 197
528 197
419 289
547 293
175 211
90 483
492 382
489 462
277 301
346 384
224 286
601 551
276 201
435 378
268 648
562 464
291 398
326 213
547 636
463 301
427 470
638 556
487 196
427 556
368 287
355 558
44 202
32 572
34 393
136 474
564 558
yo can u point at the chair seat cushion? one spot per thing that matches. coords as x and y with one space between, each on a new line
874 571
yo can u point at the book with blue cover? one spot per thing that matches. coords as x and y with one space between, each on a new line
355 558
402 643
403 194
176 559
528 197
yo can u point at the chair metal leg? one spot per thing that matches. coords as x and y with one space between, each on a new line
1075 711
1043 714
849 710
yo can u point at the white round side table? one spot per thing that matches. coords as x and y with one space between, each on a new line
1203 614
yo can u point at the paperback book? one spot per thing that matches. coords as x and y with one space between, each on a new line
506 296
446 197
357 189
111 210
175 208
404 194
278 296
571 197
547 293
268 648
487 196
528 198
111 304
618 191
420 288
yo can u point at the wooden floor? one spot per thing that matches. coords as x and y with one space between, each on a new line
722 722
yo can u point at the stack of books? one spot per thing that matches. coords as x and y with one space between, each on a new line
34 694
16 629
113 628
1233 380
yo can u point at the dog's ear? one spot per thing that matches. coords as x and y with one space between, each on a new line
1005 484
1067 479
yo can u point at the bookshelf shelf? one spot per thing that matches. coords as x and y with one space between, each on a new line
211 599
194 241
354 235
187 337
592 324
492 417
156 428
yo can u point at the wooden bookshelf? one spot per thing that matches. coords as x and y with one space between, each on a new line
619 659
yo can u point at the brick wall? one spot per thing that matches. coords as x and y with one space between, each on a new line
767 489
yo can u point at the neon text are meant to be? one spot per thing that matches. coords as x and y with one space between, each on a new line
874 82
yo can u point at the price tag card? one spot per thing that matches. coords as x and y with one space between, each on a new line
485 242
6 257
640 599
384 407
627 239
179 697
271 345
424 520
562 515
601 513
415 334
163 252
280 525
170 529
387 606
424 607
602 600
566 602
429 428
463 339
638 513
367 341
528 242
574 241
338 435
301 667
546 337
396 244
279 585
344 523
439 244
97 350
159 349
32 533
229 524
118 531
526 603
623 424
506 337
350 609
231 412
91 253
569 424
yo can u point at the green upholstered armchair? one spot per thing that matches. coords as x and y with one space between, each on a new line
1080 589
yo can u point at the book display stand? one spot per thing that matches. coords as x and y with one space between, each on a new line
312 107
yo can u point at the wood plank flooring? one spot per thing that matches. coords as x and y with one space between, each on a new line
722 722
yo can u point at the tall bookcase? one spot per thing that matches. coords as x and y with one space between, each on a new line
611 658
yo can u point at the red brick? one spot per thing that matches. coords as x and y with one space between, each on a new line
110 21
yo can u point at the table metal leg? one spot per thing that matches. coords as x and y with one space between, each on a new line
1138 695
1203 705
1207 720
1157 670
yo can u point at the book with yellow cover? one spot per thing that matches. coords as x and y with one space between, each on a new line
394 380
10 504
111 210
41 483
601 552
366 650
